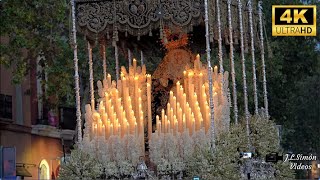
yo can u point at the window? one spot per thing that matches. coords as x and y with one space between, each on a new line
5 106
44 173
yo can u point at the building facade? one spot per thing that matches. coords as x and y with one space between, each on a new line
30 128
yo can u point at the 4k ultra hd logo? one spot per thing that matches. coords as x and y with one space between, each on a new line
294 20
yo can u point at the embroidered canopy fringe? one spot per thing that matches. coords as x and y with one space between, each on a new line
139 18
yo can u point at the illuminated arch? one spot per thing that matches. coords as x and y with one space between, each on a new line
44 170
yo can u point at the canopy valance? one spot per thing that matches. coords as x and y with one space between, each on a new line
140 17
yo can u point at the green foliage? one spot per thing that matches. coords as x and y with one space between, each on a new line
225 162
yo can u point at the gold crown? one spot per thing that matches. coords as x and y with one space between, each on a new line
174 40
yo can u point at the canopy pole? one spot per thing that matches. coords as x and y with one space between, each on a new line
117 61
76 72
265 93
209 76
220 54
142 58
254 76
91 76
104 60
244 74
129 57
233 76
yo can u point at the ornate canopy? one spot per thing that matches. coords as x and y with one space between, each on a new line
140 17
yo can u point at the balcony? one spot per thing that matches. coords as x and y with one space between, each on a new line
60 124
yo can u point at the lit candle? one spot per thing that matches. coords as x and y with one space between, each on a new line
105 118
176 128
109 80
207 121
162 119
157 123
135 129
103 132
101 108
92 129
134 66
111 130
96 116
115 122
193 123
200 85
165 125
178 91
100 128
179 117
168 109
136 103
96 130
174 105
215 72
184 103
171 98
171 118
127 128
184 122
133 126
149 109
185 81
198 58
215 99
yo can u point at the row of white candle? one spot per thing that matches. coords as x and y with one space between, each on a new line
125 107
188 106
